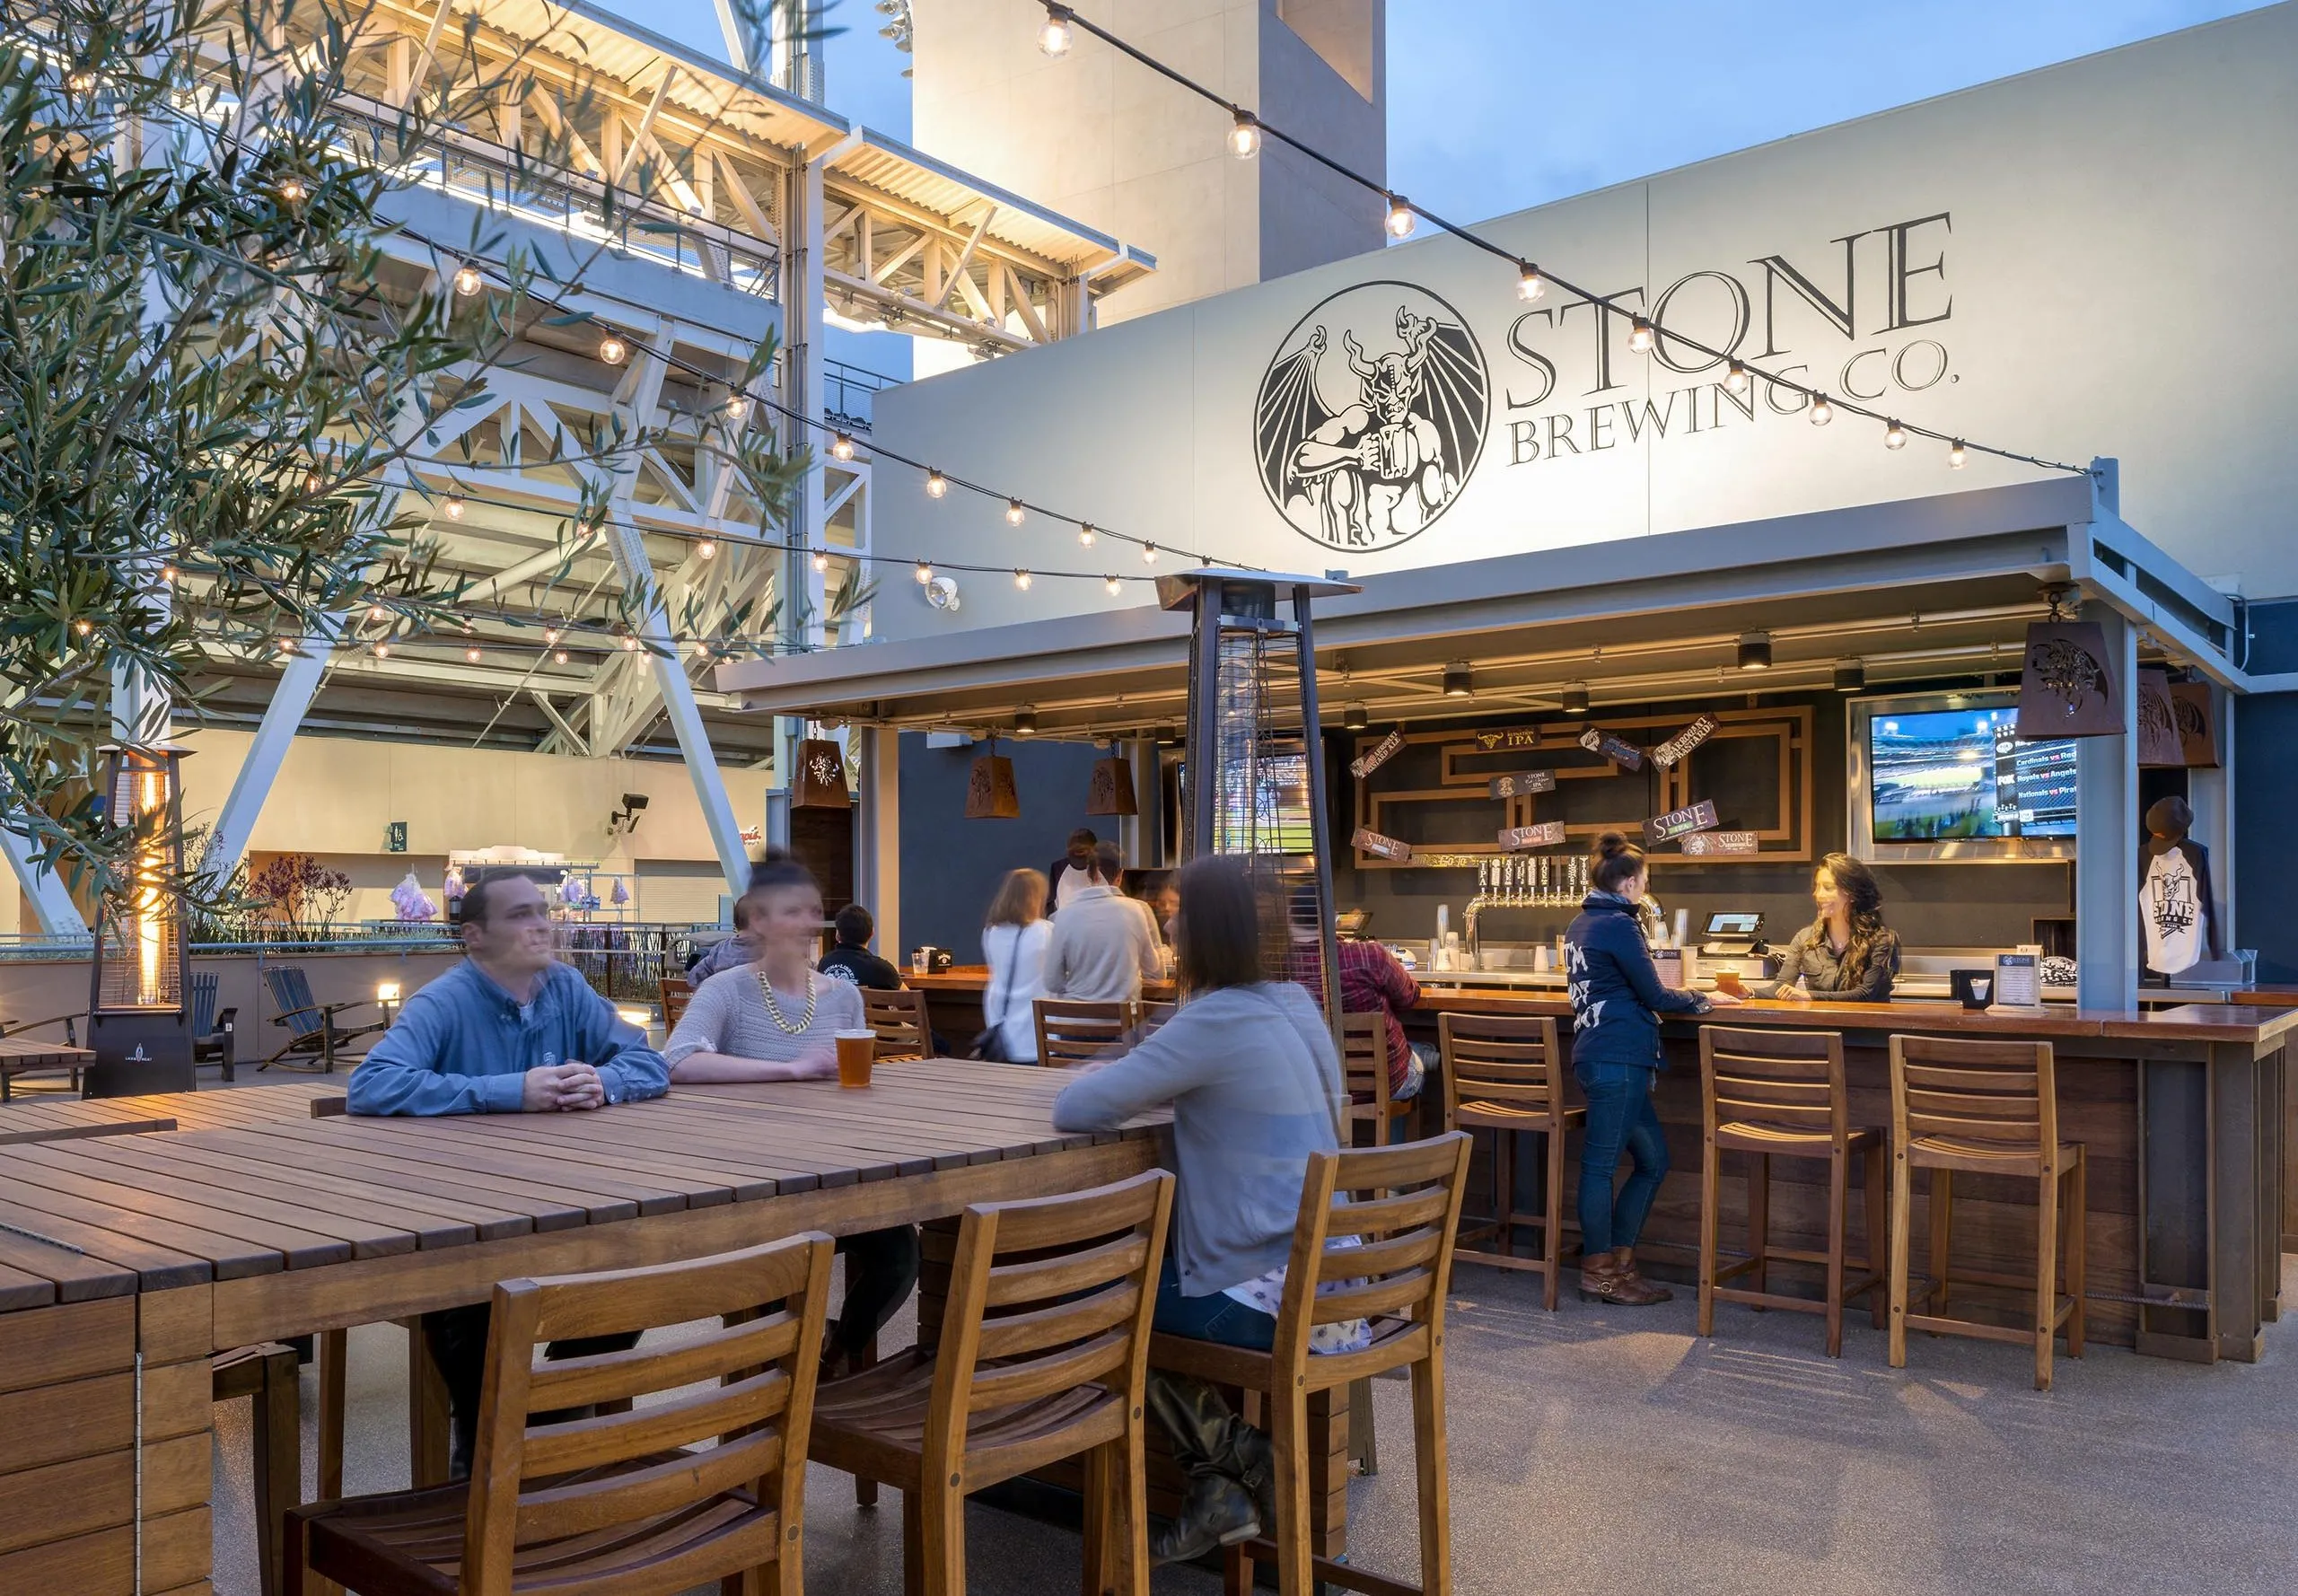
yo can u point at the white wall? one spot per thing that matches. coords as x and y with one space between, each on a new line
2117 235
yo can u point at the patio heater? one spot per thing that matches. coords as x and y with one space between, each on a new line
1252 773
138 988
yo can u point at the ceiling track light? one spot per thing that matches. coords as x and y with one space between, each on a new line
1529 284
1575 697
937 485
1013 513
1355 717
1822 412
1851 676
1460 680
1640 335
1244 138
1402 220
1755 651
1055 38
1894 435
1025 720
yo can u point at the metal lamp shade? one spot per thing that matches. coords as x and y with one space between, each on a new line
2068 687
1110 792
2158 723
2194 710
140 977
821 776
990 792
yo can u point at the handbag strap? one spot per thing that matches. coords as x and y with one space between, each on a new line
998 1003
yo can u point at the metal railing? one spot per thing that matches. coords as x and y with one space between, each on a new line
848 391
627 964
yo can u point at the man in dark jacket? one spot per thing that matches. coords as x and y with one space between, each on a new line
1073 872
851 960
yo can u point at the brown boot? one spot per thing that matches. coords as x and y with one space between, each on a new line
1624 1268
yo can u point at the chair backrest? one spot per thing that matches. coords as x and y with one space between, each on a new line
1787 1081
1071 1032
1512 1061
677 993
2003 1094
748 1386
1046 1296
898 1018
1149 1016
291 994
204 983
1364 1069
1402 1205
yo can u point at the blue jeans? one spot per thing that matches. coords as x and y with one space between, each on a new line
1621 1116
1217 1318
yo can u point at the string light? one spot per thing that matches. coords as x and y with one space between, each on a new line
1639 336
924 573
291 191
707 549
1894 436
453 506
841 447
1244 138
822 559
1735 377
736 409
1956 455
376 612
1148 554
84 625
1085 535
937 485
383 650
1054 38
629 643
1529 284
559 657
285 645
1021 580
1822 412
81 82
469 281
472 653
613 350
1402 220
1114 586
1013 513
168 574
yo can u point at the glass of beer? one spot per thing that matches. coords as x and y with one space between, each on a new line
856 1051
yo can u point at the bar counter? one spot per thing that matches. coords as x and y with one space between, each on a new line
2181 1111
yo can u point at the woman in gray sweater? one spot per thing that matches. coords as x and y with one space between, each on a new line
1255 1087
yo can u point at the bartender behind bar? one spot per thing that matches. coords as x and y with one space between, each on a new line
1846 953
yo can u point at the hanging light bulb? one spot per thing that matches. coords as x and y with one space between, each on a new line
1956 455
80 80
822 559
1735 377
1822 412
383 650
84 625
1244 138
701 651
559 657
1402 220
376 612
1640 337
1529 284
1013 513
707 550
937 485
1054 38
472 653
168 572
1894 435
291 191
453 508
1148 554
469 281
1021 580
841 447
285 645
550 634
630 643
613 350
1085 535
924 573
1112 585
737 409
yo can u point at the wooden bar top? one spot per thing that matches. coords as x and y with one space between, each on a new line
2250 1025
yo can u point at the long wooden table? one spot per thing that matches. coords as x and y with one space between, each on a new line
126 1261
21 1055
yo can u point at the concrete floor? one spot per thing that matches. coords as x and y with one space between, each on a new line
1612 1449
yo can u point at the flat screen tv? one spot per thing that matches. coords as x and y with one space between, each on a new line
1939 777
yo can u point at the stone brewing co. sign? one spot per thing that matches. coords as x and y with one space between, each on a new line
1374 410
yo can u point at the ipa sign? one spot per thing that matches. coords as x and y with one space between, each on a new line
1679 822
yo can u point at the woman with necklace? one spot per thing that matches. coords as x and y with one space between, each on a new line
777 1019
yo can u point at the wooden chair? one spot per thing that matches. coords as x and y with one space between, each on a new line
212 1034
312 1034
267 1373
1071 1033
1148 1017
1365 1071
1781 1093
1043 1355
900 1022
618 1500
677 993
1505 1074
1988 1108
1403 1204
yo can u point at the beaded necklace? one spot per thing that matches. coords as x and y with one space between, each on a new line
773 1009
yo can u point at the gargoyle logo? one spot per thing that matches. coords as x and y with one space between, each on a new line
1362 447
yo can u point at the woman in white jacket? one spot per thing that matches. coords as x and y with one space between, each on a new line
1013 939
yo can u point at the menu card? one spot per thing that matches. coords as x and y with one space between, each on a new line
2018 979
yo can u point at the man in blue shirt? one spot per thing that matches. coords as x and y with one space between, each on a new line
509 1030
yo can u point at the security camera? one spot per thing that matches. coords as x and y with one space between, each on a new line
626 818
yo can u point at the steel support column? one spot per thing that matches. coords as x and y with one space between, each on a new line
878 879
52 906
299 684
2105 840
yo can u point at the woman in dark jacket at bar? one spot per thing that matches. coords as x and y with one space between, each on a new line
1617 1002
1847 953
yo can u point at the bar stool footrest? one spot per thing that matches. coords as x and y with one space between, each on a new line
1326 1571
1765 1299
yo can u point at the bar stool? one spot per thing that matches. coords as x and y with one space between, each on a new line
621 1500
1365 1071
1403 1204
1504 1074
1992 1108
1780 1093
1043 1354
1070 1033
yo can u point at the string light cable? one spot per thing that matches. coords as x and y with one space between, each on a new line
1532 278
